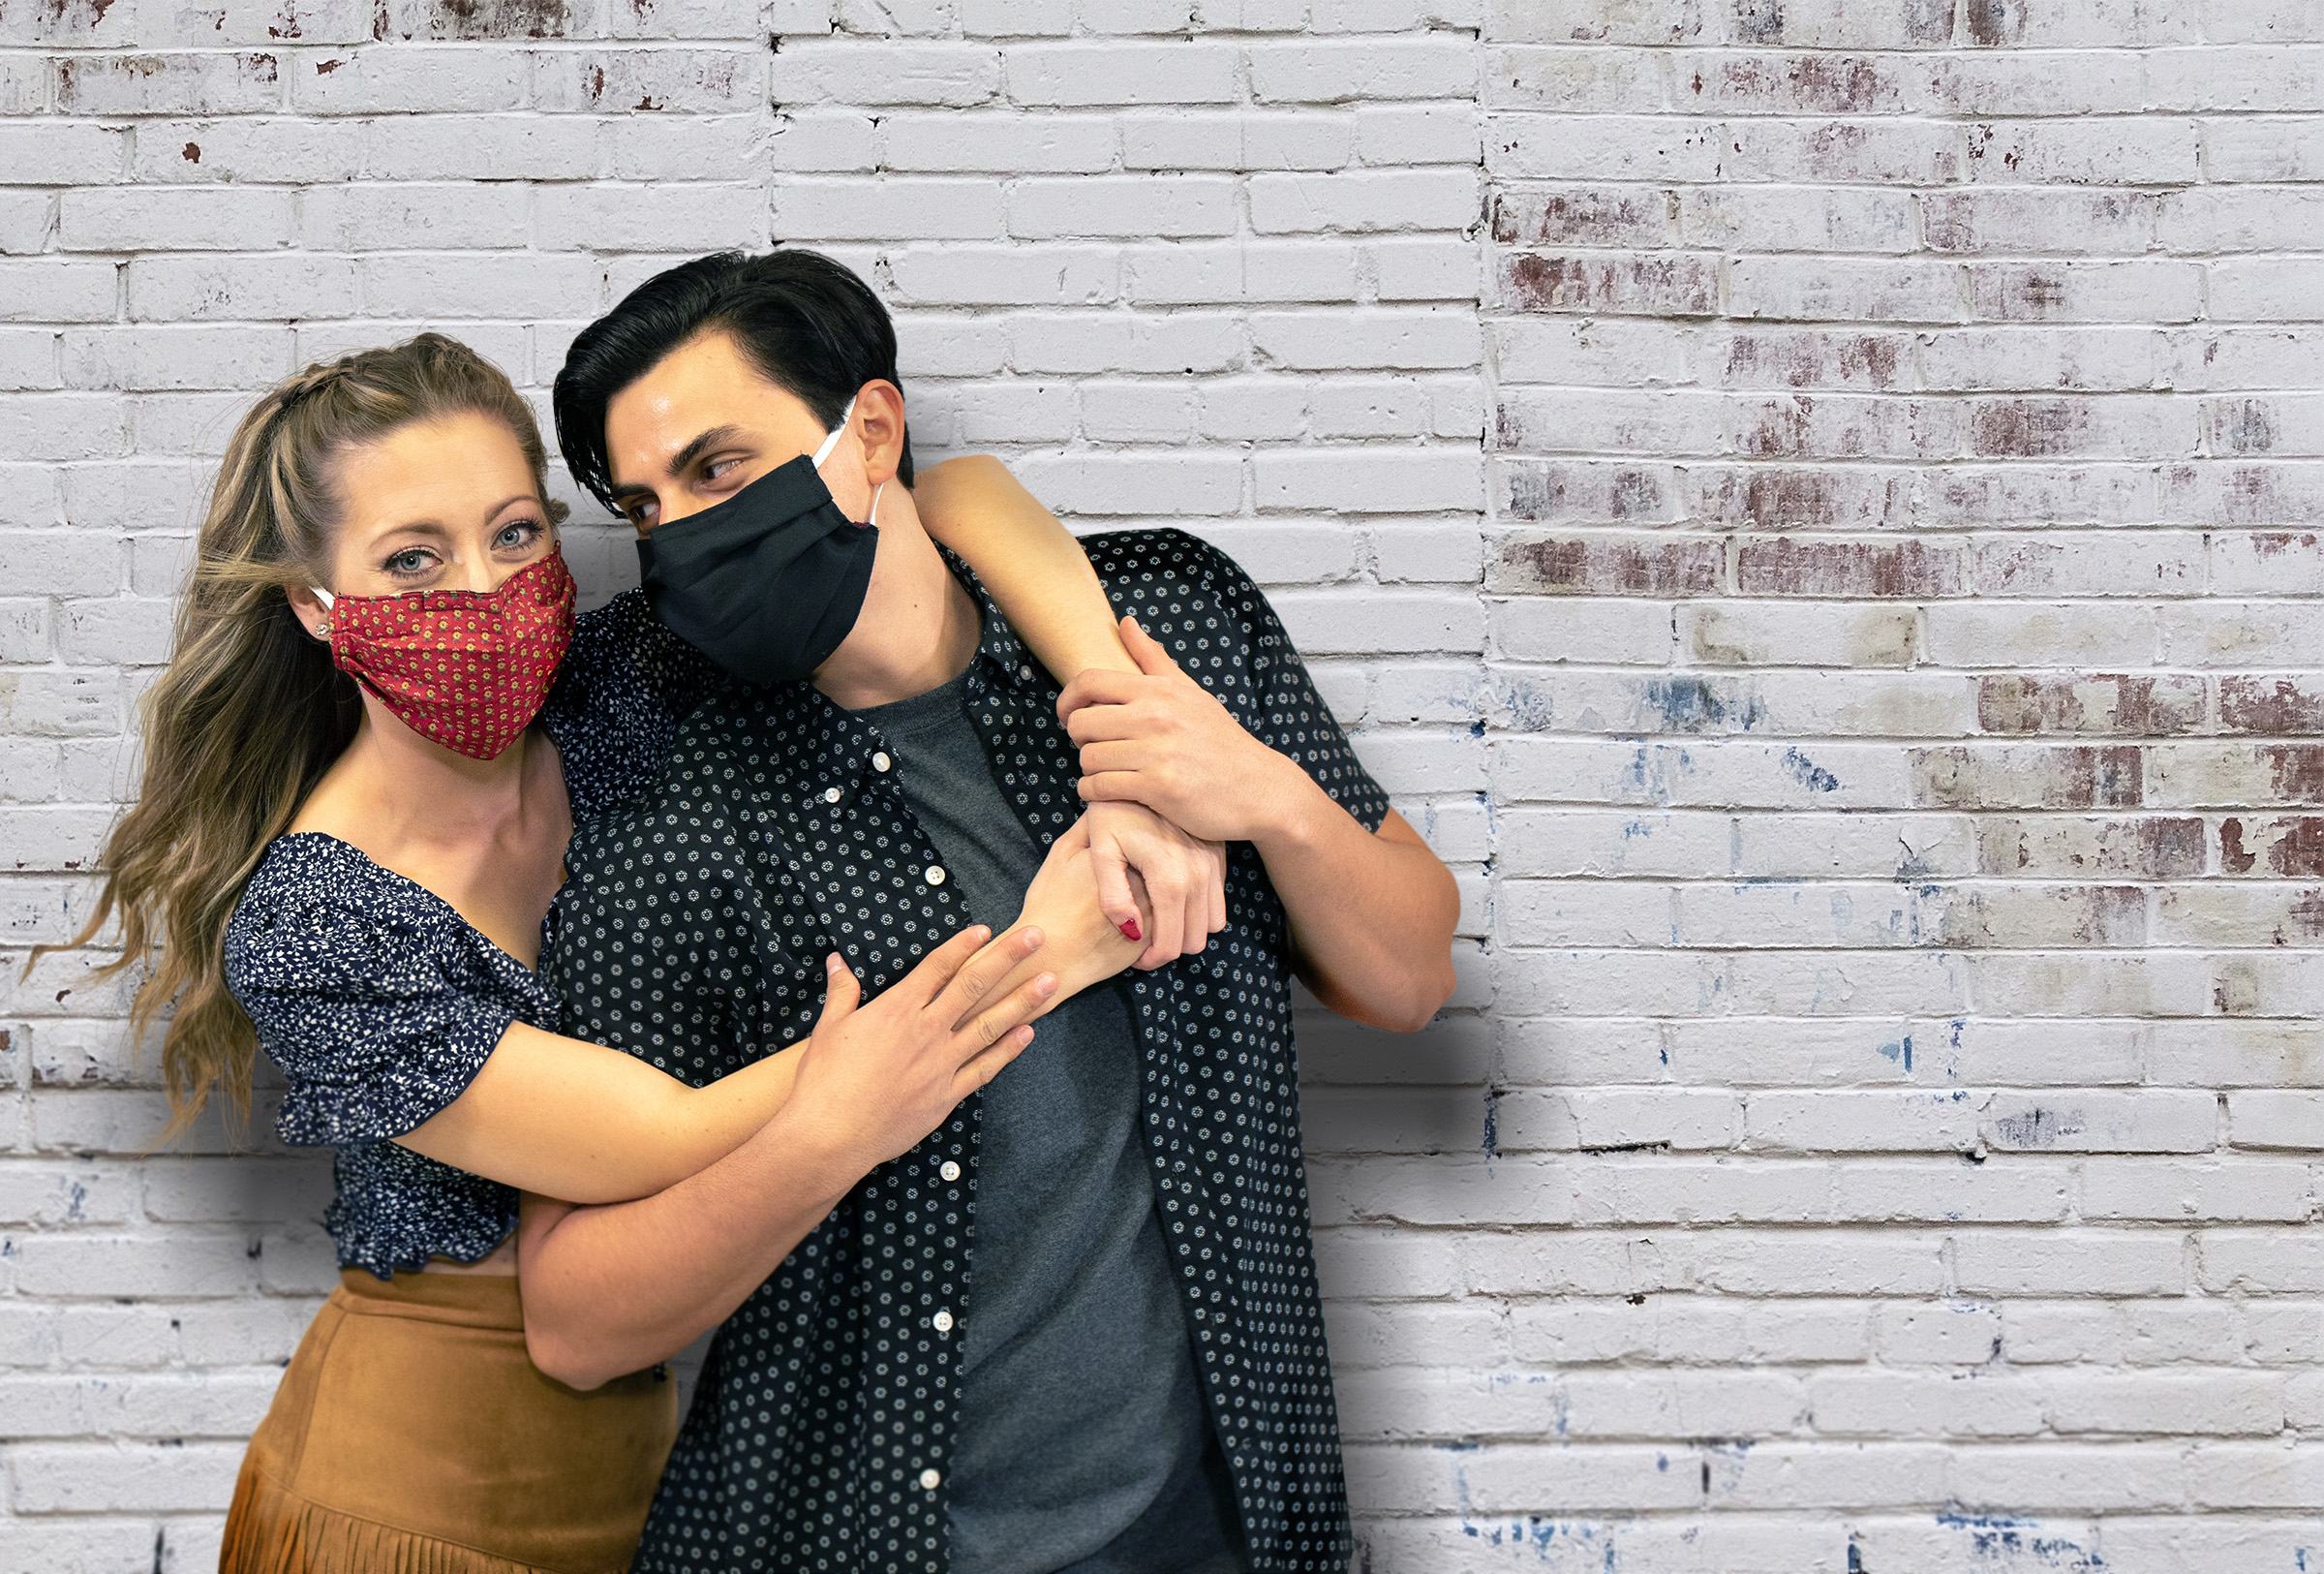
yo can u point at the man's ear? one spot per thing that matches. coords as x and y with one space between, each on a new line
879 417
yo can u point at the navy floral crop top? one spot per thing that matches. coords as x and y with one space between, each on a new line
381 1002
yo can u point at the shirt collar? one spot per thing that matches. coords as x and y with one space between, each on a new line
836 746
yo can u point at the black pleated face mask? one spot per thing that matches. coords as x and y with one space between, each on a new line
769 582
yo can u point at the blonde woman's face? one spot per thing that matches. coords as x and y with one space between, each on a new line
442 505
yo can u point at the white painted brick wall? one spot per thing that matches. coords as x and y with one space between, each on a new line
1814 507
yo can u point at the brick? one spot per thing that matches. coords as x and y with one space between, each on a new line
2146 847
1652 285
1429 66
1783 219
2234 775
1125 206
143 84
1825 569
472 148
2289 846
44 290
1607 564
1846 289
2093 703
1362 202
1073 75
189 218
1236 139
2027 776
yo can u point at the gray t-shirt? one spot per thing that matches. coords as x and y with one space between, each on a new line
1082 1442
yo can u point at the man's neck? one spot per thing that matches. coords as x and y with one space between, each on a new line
917 632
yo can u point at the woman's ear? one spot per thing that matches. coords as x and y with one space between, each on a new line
308 608
879 416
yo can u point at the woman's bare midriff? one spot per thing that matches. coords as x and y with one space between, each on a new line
501 1260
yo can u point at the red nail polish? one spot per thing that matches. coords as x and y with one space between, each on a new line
1129 929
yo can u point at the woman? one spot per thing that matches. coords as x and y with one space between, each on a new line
354 810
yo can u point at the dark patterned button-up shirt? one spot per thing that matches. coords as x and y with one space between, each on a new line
691 932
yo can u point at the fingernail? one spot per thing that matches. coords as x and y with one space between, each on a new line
1129 930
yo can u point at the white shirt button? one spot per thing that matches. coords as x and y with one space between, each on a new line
935 874
831 794
931 1480
1026 673
881 761
942 1322
950 1171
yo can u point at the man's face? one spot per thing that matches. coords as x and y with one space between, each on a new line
703 424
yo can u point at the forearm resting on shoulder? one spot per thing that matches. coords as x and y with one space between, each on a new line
586 1123
1033 567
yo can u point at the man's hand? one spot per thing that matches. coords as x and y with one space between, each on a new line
1161 740
876 1079
1184 880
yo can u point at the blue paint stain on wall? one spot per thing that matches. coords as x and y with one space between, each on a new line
1808 774
1692 704
1899 1050
1542 1537
2018 1543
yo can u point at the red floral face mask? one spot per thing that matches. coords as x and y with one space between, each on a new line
466 668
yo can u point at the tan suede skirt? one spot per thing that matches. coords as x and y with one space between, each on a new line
413 1435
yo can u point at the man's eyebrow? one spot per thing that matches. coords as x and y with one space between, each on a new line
686 456
679 462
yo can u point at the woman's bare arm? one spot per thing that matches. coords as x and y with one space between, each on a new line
611 1290
580 1121
1053 599
1034 568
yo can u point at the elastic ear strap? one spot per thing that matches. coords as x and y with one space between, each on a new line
875 491
833 440
323 596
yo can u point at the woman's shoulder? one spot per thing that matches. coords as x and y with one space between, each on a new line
317 905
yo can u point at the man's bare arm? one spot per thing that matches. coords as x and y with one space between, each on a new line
1372 913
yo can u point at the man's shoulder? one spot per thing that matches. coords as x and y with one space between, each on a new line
1170 580
1161 553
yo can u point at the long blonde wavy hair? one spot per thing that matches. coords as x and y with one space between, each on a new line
250 711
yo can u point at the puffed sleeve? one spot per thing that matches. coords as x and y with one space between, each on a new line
374 1023
626 684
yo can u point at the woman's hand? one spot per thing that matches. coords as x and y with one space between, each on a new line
1084 947
876 1079
1182 880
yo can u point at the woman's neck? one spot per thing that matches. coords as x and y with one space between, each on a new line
393 791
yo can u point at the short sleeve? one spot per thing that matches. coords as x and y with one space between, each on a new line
1287 713
374 1021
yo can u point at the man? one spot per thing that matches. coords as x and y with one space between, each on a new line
1077 1327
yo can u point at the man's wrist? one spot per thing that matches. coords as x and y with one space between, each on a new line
1295 810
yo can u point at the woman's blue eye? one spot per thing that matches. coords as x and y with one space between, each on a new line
410 562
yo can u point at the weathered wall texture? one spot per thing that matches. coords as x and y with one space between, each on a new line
1812 505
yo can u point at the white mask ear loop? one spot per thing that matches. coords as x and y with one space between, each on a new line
832 441
875 491
322 630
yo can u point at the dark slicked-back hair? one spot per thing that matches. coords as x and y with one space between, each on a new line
811 328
